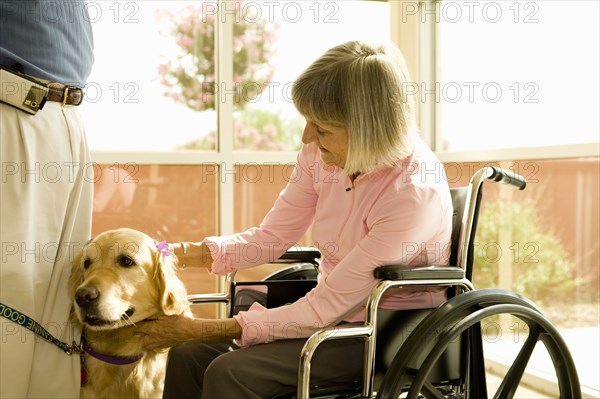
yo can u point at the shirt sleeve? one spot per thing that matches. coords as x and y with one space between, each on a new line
291 215
347 287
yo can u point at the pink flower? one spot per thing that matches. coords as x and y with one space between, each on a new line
185 42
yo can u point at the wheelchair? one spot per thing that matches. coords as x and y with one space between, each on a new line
431 353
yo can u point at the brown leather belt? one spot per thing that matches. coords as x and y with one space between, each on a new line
67 95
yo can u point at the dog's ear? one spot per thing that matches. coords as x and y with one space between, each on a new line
173 295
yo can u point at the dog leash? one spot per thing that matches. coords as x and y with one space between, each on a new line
27 322
32 325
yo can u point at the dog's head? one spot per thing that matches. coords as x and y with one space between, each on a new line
121 277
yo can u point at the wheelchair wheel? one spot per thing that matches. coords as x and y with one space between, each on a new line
462 315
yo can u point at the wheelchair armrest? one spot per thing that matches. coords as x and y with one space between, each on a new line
399 272
208 298
300 254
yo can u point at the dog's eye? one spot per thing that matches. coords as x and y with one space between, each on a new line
86 263
126 261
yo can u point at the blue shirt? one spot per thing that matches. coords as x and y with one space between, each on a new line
48 39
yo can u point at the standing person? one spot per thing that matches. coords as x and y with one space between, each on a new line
46 191
374 194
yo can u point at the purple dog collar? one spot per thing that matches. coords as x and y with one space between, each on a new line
117 360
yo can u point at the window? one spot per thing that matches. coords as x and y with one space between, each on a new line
542 243
153 84
518 74
515 84
187 150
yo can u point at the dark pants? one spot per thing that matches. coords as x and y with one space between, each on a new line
209 370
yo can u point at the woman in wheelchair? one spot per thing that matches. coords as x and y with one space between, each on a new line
374 194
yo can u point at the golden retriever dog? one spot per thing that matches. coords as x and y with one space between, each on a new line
122 277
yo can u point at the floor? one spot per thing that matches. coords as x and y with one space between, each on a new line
583 344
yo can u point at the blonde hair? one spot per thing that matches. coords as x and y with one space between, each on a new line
361 87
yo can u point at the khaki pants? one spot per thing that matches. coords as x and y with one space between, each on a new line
45 216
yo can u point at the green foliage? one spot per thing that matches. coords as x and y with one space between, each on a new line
541 269
268 132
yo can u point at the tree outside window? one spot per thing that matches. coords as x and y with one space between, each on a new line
190 78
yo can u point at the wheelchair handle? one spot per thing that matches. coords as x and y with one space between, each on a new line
497 174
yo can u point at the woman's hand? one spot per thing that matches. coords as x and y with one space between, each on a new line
161 332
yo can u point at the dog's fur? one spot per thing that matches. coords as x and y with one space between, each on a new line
120 279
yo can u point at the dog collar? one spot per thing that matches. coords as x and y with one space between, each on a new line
117 360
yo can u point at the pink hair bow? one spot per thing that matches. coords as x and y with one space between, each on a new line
163 247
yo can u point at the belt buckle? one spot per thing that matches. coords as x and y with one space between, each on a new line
66 95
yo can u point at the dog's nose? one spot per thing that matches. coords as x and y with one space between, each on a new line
85 296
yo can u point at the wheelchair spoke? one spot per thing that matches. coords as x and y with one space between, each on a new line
452 319
510 383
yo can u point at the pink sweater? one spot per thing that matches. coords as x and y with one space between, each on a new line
400 214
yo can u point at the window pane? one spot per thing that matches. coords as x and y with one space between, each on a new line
153 83
168 202
256 188
542 242
132 102
518 74
273 43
